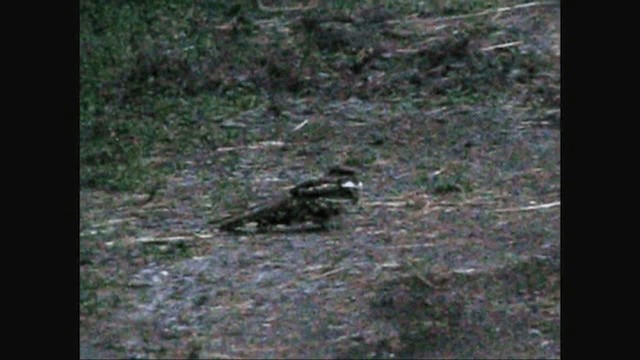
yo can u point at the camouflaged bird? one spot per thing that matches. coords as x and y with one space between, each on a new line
316 201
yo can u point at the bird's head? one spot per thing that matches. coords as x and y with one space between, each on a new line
351 188
347 182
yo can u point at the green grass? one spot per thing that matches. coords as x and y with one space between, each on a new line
455 178
158 79
128 115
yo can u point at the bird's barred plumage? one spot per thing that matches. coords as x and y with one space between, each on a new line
315 201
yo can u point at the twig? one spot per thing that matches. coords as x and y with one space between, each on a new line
112 222
312 4
387 203
389 265
434 111
527 208
416 272
260 145
171 239
328 273
464 271
422 46
407 246
204 236
501 46
220 356
341 338
429 209
301 125
314 267
286 285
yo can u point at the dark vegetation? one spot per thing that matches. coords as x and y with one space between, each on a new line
194 109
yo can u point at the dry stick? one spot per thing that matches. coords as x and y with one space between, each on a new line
429 210
166 240
328 273
420 47
416 272
286 285
260 145
221 356
114 222
312 4
435 111
526 208
387 203
502 46
301 125
407 246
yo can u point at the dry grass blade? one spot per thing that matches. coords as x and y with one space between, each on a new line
408 246
481 13
528 208
328 273
301 125
115 222
417 273
502 46
165 240
386 203
221 356
312 4
260 145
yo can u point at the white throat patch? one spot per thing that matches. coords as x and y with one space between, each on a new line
351 185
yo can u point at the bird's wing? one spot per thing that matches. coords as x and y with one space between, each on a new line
252 214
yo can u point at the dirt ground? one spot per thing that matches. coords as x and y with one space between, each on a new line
452 251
